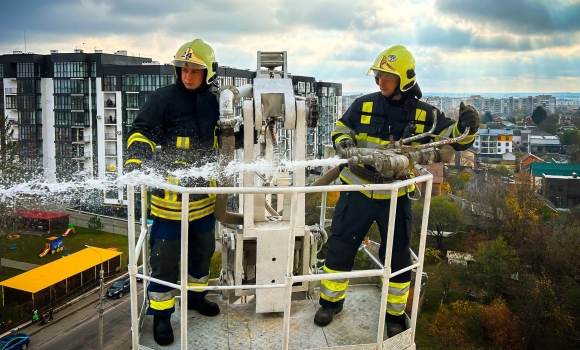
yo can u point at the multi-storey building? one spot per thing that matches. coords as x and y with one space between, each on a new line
71 112
493 143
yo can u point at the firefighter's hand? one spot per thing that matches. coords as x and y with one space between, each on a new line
131 166
344 146
468 118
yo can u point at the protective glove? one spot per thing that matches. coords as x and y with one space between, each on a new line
132 166
343 146
468 117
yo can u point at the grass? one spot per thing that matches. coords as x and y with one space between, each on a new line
29 246
7 273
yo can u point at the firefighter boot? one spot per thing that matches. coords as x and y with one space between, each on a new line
324 315
162 331
395 324
203 306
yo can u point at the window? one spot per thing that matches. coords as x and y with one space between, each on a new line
132 100
63 134
560 188
26 117
79 102
28 86
26 70
1 71
131 115
80 118
28 102
71 70
62 102
130 82
109 83
149 82
79 86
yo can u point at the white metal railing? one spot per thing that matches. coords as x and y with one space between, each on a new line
135 248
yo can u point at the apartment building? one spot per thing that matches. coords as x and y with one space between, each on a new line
491 144
71 112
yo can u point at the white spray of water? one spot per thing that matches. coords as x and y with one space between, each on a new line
152 177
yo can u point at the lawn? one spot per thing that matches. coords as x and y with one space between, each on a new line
29 246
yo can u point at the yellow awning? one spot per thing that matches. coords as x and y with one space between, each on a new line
46 275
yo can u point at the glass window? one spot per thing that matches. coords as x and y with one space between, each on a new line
79 102
109 83
131 115
1 71
130 82
71 70
26 70
132 100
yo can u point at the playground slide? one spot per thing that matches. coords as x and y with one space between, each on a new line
70 229
66 233
45 251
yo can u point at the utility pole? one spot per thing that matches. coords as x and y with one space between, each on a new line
101 299
101 310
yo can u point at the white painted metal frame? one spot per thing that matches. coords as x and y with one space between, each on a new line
385 272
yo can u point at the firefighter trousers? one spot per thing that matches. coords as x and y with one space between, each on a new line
165 245
353 216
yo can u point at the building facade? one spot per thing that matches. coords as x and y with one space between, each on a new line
71 112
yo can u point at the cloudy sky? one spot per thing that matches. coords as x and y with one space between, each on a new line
461 46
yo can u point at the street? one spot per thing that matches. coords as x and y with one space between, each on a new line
81 329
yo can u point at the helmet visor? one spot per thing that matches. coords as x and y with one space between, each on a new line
181 64
382 75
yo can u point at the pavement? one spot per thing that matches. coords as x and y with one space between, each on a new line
20 265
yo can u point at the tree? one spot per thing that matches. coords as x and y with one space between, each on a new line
95 223
539 115
503 170
487 118
550 124
493 263
501 326
444 215
486 198
570 137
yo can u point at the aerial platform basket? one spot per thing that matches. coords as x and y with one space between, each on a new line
359 326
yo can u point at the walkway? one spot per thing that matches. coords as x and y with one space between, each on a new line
20 265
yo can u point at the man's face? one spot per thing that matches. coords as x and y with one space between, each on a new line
192 77
388 83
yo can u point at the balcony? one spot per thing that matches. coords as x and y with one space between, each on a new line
10 91
111 136
110 104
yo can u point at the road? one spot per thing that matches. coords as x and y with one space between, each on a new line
81 329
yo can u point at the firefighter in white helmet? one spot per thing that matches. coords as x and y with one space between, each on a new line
371 121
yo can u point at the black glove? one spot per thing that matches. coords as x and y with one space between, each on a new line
468 118
343 146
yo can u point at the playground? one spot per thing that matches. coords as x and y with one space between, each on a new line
29 245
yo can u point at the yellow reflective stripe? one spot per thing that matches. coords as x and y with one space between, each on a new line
419 128
215 138
182 142
456 133
138 137
420 115
133 160
198 284
175 205
341 128
334 286
330 295
171 195
370 139
367 107
340 138
399 288
162 305
352 179
365 119
173 215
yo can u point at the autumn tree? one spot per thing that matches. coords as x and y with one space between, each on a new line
486 204
502 326
444 215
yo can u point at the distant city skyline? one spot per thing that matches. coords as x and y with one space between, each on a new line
461 46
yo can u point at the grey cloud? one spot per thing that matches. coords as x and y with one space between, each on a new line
525 17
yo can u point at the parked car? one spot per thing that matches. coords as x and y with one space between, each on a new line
119 287
14 341
139 279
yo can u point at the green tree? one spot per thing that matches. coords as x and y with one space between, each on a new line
503 170
95 223
550 124
570 137
493 263
444 215
539 115
487 117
